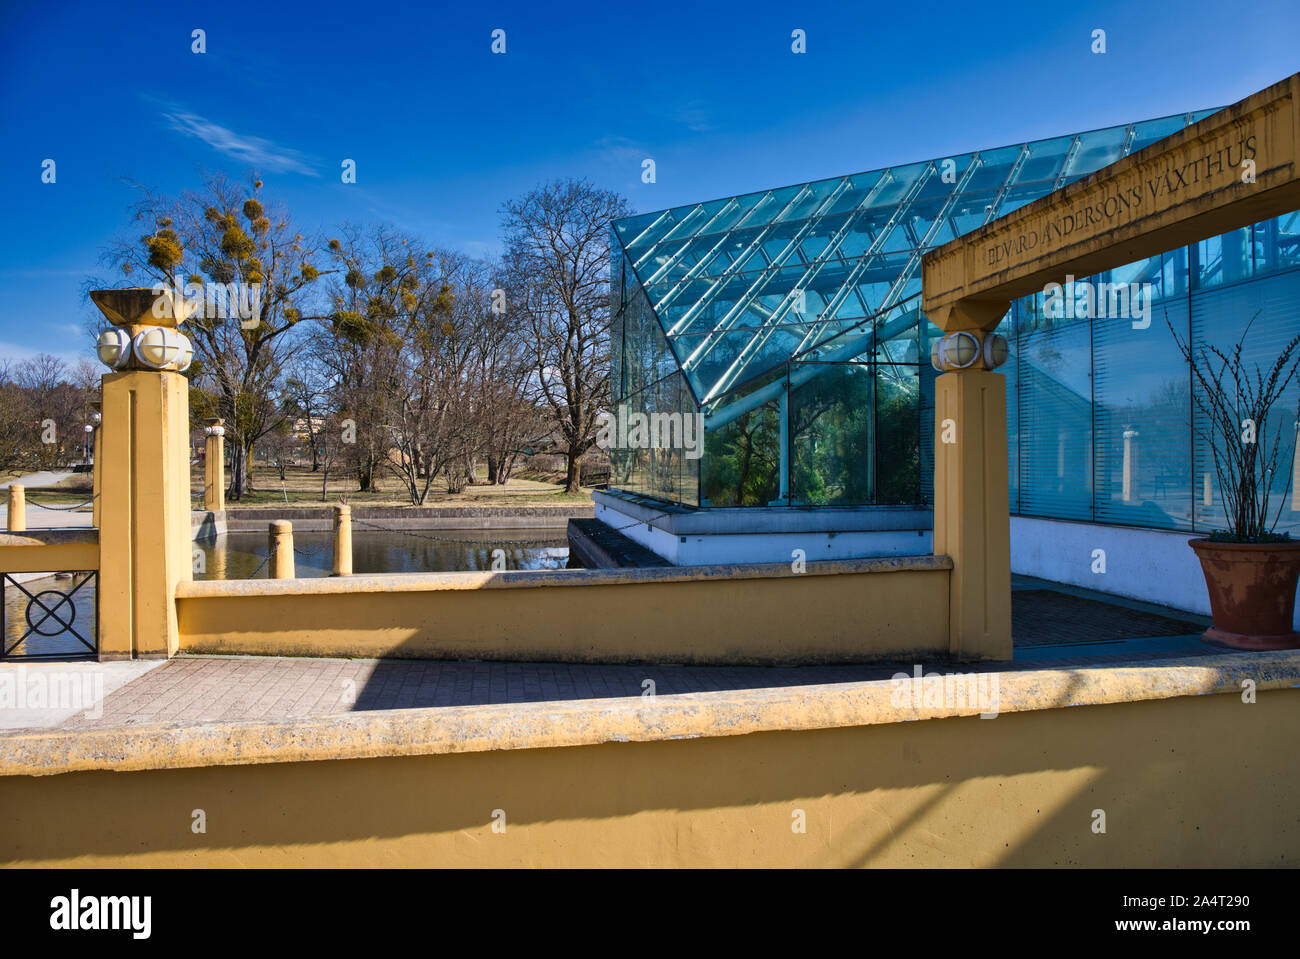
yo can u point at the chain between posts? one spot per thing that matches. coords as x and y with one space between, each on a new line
63 509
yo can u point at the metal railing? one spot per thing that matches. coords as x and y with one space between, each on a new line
54 624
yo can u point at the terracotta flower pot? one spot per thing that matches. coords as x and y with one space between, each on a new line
1252 593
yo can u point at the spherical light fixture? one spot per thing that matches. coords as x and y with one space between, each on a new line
996 350
960 350
114 348
186 356
162 348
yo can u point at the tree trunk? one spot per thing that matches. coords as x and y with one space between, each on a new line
571 484
366 475
239 454
492 469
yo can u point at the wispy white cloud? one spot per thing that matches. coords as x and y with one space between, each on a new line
259 153
694 116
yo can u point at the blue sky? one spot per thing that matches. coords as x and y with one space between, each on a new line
443 130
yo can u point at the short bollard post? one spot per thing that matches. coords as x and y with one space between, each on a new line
214 465
342 540
17 508
280 543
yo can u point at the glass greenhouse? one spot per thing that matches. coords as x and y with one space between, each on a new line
789 321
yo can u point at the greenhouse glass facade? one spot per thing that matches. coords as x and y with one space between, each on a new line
788 321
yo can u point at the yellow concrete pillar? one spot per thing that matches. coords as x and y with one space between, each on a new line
17 508
280 545
97 419
214 466
144 464
144 530
342 540
971 511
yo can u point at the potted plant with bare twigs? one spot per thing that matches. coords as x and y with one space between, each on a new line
1250 571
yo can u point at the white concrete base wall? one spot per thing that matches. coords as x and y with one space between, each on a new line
767 547
1152 565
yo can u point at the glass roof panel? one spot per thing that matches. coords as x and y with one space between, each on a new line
739 285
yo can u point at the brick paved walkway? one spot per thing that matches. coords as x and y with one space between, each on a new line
1065 628
1049 617
214 689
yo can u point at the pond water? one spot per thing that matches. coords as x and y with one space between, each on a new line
242 555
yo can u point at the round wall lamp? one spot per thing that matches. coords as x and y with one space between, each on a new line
996 350
960 350
162 348
114 348
969 350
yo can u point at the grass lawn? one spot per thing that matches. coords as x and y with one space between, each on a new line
302 487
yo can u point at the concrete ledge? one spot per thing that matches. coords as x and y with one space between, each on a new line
527 579
841 611
403 517
512 726
49 550
598 546
56 536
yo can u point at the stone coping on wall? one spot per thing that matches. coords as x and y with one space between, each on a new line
316 518
544 725
52 536
522 579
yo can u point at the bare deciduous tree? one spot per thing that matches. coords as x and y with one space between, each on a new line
557 256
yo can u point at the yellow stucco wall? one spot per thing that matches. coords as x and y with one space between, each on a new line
1190 781
34 556
753 614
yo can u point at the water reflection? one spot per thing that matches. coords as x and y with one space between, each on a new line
240 555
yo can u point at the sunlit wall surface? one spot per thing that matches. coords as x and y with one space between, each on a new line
788 320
